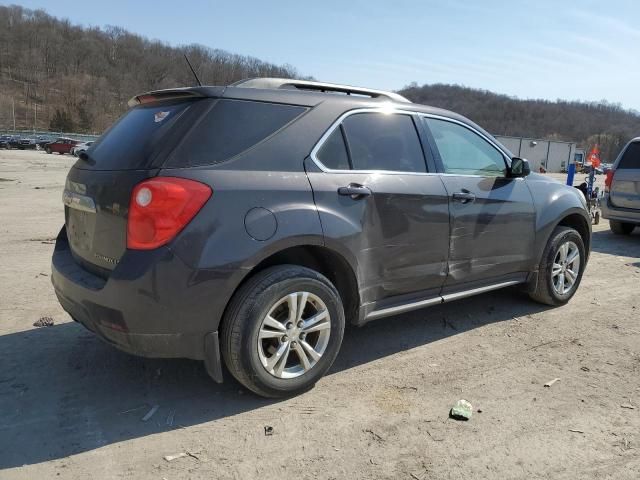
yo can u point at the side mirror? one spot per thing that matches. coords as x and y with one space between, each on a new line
519 167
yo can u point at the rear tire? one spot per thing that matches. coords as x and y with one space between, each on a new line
266 336
620 228
559 274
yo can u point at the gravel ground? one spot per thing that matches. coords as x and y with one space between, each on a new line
72 406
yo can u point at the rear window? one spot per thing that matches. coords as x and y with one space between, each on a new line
230 128
631 157
134 140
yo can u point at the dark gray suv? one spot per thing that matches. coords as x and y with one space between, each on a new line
248 223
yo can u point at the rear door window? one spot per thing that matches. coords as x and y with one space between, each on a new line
379 141
230 128
133 141
631 157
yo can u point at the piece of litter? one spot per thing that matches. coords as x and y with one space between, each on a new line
374 435
575 430
43 322
551 382
151 413
268 430
462 410
193 455
171 458
630 407
585 369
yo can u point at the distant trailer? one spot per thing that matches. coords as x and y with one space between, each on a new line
552 155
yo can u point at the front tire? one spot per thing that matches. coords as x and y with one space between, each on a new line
561 267
48 150
620 228
282 330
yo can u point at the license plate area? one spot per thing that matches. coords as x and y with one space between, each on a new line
81 220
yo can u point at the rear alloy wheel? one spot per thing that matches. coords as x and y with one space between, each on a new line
561 267
294 335
282 330
620 228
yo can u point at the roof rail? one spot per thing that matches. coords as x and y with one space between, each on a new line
276 83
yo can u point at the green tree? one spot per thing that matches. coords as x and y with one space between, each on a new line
61 122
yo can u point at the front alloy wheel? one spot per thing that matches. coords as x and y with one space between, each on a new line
561 267
566 268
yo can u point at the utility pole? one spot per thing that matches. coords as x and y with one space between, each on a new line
35 117
13 110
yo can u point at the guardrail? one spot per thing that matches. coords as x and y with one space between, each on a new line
83 137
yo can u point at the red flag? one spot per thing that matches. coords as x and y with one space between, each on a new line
594 157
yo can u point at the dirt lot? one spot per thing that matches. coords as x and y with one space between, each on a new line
71 406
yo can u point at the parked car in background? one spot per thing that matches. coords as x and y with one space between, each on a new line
81 147
621 203
26 143
61 146
9 141
42 140
246 224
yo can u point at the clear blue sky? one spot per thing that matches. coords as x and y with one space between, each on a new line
581 49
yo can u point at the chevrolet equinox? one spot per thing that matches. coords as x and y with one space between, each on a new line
246 224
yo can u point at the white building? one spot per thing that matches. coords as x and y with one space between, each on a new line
553 155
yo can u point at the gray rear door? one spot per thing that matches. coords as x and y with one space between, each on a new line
377 201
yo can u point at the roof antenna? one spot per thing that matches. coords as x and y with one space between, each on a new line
192 70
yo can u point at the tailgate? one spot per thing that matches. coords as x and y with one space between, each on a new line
98 188
96 207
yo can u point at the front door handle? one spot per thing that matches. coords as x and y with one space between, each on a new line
355 191
464 197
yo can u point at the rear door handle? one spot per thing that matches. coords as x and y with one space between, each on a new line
355 191
464 197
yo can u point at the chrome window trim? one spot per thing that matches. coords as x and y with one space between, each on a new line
395 111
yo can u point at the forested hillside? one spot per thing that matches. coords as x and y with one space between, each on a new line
64 77
88 74
588 124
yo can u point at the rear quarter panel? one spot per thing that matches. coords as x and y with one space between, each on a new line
270 177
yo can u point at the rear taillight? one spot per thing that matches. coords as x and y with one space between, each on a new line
608 179
160 208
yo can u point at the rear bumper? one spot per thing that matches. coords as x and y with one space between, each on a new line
151 305
625 215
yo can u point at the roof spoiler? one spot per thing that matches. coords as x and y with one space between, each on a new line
284 83
169 94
